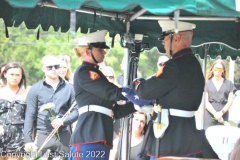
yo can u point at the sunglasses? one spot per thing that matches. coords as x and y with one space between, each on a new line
160 64
218 69
57 66
110 77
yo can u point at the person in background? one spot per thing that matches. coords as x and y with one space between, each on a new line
68 58
139 125
12 109
120 78
66 74
173 87
219 95
109 74
161 61
96 98
102 64
64 70
47 102
2 66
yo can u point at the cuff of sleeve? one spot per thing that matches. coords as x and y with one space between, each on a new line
65 123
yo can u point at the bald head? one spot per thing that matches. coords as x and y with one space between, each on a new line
180 41
186 36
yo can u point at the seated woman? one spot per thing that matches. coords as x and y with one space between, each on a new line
139 122
12 110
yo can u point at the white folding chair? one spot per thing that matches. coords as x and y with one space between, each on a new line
222 139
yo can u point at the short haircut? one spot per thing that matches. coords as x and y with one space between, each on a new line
48 56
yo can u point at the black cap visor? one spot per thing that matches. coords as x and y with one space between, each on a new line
164 34
99 45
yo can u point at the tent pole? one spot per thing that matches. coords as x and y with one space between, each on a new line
125 130
188 18
204 69
87 10
139 13
231 69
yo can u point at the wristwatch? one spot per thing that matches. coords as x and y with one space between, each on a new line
223 112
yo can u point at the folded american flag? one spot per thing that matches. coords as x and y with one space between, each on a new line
131 96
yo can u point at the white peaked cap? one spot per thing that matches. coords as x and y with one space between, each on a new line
93 38
162 59
168 26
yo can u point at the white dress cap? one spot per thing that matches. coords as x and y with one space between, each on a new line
93 38
168 26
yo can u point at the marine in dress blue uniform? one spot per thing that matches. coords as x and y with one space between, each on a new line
178 86
96 98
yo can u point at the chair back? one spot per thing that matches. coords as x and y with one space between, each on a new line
222 139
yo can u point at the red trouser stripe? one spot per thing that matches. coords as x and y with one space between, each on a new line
78 152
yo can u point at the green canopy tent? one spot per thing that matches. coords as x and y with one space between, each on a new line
217 21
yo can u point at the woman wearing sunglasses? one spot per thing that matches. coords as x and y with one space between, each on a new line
109 74
219 95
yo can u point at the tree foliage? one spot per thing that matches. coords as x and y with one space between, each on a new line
22 46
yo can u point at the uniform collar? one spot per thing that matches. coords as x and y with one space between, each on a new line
61 81
182 52
84 63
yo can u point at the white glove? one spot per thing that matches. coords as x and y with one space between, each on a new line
1 130
145 109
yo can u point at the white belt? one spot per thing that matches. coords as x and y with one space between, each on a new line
159 129
181 113
95 108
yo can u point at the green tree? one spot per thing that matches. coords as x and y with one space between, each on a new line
22 46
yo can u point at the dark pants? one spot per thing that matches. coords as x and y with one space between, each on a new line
91 151
56 146
206 149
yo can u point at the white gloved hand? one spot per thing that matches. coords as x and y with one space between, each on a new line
1 130
145 109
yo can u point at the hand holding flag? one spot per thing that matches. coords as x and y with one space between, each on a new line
131 96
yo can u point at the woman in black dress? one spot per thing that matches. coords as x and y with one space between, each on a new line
12 108
219 95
